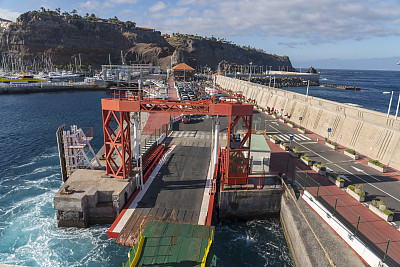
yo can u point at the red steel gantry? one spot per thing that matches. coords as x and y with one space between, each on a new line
117 138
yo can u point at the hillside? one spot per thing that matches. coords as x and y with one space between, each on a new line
42 37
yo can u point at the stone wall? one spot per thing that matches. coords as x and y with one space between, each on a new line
368 132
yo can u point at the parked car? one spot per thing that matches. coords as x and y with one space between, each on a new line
186 118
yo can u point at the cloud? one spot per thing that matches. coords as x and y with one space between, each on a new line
292 44
125 1
95 5
8 14
317 21
90 5
157 7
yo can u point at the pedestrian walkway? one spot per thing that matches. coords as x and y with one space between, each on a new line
371 226
286 137
196 134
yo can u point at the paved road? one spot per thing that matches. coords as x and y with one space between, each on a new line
377 185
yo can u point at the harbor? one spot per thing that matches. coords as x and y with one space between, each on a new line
94 238
153 134
163 196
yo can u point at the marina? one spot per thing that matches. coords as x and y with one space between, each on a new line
248 228
123 144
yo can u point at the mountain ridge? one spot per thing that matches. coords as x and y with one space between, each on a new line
42 36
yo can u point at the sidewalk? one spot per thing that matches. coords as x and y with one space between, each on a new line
372 226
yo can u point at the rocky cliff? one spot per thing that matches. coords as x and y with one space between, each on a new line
37 35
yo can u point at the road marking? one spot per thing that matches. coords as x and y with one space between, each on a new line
306 143
357 169
286 137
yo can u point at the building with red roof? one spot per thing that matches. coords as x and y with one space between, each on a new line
183 72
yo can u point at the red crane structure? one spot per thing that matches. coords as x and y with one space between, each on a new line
117 136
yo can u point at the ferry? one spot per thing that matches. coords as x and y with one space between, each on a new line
22 79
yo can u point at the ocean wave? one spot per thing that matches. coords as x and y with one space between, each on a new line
36 159
30 232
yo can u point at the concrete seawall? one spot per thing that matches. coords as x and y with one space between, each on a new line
368 132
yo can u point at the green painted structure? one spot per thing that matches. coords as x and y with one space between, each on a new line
174 244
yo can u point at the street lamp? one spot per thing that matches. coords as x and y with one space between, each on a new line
251 63
390 102
397 109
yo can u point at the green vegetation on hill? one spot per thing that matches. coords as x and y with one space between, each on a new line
74 14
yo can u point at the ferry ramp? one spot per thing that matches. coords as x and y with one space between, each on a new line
175 194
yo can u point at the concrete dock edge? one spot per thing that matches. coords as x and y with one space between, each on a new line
310 240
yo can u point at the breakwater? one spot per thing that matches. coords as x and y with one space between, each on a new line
344 87
282 82
368 132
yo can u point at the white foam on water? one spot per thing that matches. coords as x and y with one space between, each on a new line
28 225
36 159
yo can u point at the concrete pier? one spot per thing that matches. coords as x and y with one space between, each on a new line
87 198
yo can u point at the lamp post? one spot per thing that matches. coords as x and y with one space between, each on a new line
397 109
250 71
390 103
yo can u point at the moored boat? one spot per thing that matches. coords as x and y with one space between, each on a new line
22 79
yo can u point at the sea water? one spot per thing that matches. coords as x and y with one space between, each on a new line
373 84
30 177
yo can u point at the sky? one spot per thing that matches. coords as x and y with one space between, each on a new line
304 30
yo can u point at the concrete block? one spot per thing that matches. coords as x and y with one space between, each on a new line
249 204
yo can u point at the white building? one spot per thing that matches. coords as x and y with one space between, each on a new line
4 23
